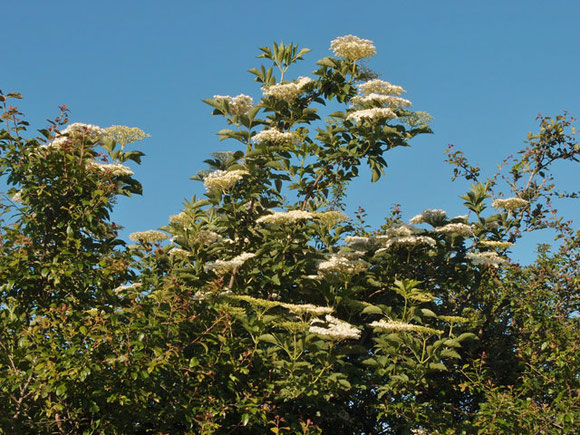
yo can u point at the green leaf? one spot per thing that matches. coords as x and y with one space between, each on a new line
268 338
372 309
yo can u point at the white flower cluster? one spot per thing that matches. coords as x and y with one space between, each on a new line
408 241
509 203
342 263
288 92
495 244
178 252
288 217
379 87
57 142
360 243
462 219
352 47
460 229
335 329
385 100
178 218
79 130
223 180
274 136
133 286
373 114
207 237
221 267
490 258
150 236
393 325
401 230
115 169
314 310
238 105
429 216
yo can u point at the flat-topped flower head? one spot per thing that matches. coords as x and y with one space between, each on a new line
221 267
431 216
380 87
352 47
407 242
288 92
397 326
496 244
314 310
331 218
334 329
288 217
384 100
115 169
273 136
455 229
223 180
342 264
509 203
150 236
238 105
124 135
78 130
374 114
485 258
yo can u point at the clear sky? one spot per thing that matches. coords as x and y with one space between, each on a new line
484 70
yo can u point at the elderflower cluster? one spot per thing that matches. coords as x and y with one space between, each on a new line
207 237
238 105
360 243
57 142
79 130
341 264
373 114
150 236
495 244
274 136
379 87
115 169
221 267
223 180
489 258
385 100
288 217
509 203
178 218
123 288
124 135
331 218
454 319
456 229
408 242
429 216
300 309
288 92
393 325
352 47
178 252
335 329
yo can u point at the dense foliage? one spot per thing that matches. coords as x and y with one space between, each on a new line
262 307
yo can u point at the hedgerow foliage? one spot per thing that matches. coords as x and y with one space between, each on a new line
263 307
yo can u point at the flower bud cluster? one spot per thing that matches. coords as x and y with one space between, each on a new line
150 236
485 258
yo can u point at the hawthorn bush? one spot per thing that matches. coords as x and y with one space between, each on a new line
262 307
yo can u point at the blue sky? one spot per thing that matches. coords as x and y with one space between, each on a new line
484 70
